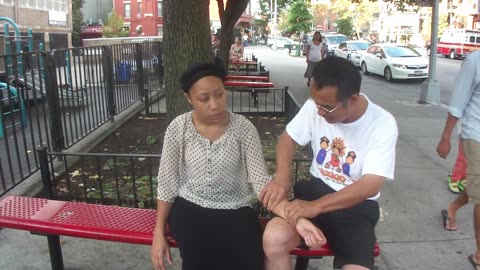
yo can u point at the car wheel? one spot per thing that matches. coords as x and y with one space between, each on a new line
452 54
364 68
388 74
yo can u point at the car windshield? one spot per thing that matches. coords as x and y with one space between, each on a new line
401 51
358 46
336 39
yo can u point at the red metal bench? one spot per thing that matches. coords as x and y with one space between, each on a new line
247 78
93 221
241 86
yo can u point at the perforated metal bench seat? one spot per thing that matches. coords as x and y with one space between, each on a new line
94 221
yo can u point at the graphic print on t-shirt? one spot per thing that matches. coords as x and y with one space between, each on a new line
334 162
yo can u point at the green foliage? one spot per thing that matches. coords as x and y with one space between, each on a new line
151 140
114 26
299 17
77 19
345 26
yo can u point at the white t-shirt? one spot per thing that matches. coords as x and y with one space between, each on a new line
315 52
345 152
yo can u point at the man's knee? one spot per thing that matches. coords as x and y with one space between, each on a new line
279 237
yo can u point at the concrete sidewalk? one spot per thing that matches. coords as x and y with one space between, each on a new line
410 230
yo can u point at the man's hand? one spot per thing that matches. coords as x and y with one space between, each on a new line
443 148
160 249
274 192
312 235
299 208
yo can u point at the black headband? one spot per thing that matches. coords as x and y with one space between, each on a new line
199 70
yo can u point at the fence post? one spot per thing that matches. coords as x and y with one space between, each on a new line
147 101
56 258
107 65
54 111
159 54
140 77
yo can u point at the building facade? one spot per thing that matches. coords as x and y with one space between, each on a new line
50 20
142 17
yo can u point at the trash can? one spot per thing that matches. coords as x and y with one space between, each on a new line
123 71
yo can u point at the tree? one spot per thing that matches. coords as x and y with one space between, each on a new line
114 26
299 17
345 26
77 20
186 40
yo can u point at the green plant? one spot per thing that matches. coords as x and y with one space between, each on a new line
151 140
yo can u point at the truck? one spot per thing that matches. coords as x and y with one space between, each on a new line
458 43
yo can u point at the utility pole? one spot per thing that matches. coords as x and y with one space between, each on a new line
275 26
431 88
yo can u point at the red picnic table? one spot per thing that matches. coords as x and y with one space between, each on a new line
249 86
247 78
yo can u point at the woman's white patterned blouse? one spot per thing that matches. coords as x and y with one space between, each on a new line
218 175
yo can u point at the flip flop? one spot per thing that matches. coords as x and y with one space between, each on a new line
473 262
446 219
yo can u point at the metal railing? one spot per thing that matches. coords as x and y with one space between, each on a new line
68 94
115 179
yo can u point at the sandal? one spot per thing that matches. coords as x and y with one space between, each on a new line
453 186
448 223
476 265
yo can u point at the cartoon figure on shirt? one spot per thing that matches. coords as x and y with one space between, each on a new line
338 150
349 159
322 153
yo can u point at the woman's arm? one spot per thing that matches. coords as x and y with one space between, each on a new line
307 52
160 247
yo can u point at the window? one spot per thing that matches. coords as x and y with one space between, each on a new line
159 9
472 39
160 30
478 39
126 10
139 9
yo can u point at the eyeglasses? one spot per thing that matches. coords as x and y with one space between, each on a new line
325 109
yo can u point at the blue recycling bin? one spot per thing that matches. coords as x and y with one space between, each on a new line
123 71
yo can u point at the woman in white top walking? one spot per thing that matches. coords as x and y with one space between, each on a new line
315 53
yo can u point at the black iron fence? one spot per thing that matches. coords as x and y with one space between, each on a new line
115 179
44 102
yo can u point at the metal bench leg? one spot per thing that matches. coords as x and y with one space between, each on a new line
301 263
55 249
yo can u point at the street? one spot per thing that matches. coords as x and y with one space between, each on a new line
288 70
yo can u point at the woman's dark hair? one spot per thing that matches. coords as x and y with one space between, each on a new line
197 71
340 73
320 38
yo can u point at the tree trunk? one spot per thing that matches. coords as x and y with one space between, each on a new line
229 16
186 40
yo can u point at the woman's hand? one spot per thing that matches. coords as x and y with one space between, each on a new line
312 235
159 250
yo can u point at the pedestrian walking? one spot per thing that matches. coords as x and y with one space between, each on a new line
465 106
314 53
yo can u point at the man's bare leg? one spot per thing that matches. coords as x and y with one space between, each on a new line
278 239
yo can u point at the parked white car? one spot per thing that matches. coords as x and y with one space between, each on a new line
394 61
352 50
282 42
332 41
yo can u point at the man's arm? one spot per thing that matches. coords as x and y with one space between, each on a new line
278 188
443 147
366 187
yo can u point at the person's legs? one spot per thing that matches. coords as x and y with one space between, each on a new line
459 202
278 239
472 154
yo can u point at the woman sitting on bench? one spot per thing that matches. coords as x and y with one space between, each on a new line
211 168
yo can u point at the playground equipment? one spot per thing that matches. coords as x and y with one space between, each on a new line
14 103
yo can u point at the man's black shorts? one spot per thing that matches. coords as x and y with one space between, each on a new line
350 232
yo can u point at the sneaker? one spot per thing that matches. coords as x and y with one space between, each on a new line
453 185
